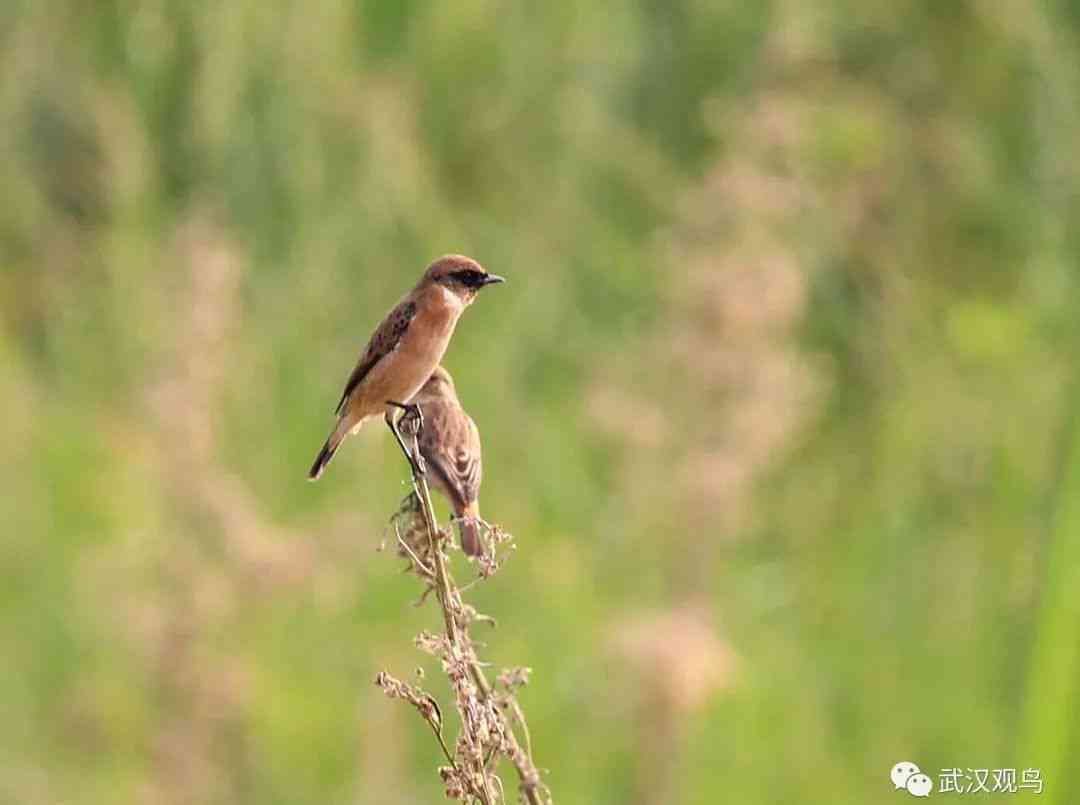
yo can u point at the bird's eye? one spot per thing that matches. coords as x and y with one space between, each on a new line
470 277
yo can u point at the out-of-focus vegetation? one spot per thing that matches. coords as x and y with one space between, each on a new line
779 400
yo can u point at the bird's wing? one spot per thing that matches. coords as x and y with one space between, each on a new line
450 443
385 340
468 466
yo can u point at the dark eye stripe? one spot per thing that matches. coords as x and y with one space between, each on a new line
470 276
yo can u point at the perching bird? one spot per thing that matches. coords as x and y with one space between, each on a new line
405 349
450 445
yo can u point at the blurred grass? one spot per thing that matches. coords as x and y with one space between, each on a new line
1051 688
785 354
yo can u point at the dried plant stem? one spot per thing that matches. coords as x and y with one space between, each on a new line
449 598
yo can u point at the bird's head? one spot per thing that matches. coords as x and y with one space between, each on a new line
440 384
441 377
461 276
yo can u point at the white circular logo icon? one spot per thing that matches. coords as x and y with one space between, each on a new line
901 772
919 785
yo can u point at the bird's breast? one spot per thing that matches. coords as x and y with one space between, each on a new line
431 330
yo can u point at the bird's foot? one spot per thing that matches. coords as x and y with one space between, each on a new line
411 416
415 419
418 464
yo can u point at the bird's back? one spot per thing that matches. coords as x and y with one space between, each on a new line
450 443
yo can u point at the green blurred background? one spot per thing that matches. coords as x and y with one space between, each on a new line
779 400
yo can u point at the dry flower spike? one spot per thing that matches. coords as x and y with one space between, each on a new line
488 715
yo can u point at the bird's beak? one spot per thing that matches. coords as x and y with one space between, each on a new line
493 279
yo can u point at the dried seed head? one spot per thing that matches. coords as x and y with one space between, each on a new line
454 782
514 678
433 644
423 701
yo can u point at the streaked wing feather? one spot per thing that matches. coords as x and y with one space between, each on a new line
451 442
385 340
468 467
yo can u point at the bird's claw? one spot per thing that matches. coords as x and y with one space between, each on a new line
412 413
414 416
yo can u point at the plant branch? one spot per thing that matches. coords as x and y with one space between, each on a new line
488 716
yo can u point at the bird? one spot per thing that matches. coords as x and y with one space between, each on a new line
450 445
405 349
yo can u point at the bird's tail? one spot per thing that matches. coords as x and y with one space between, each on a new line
469 526
333 441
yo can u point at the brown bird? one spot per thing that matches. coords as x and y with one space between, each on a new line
450 445
405 349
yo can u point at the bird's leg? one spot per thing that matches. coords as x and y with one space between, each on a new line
416 461
411 411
